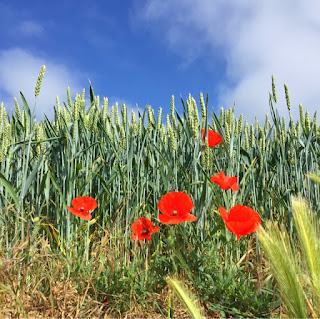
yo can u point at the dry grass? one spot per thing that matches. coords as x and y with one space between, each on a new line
44 287
41 287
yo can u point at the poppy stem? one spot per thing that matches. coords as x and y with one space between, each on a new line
87 243
171 245
146 263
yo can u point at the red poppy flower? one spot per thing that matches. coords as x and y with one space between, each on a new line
225 182
214 138
81 206
142 228
176 208
241 220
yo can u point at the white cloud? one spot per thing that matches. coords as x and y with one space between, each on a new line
30 28
19 71
255 38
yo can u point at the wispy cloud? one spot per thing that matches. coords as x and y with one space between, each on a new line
30 28
19 71
255 39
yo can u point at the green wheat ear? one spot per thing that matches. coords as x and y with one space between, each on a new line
307 122
286 91
203 108
39 81
315 123
184 296
274 93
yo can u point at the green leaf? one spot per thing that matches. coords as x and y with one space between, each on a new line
92 96
31 177
56 186
10 190
26 110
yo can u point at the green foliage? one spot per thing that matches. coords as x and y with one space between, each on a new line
226 285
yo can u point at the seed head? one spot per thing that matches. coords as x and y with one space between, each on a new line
104 108
122 141
274 90
69 97
240 124
116 115
221 117
301 116
17 108
287 97
315 123
58 105
134 126
307 122
172 139
203 108
124 114
83 94
172 107
252 137
159 119
39 81
140 128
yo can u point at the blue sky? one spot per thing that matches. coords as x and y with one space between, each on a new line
142 52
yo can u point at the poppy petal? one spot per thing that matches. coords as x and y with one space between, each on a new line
183 203
179 201
142 228
225 182
167 219
243 213
214 138
172 220
136 228
145 222
241 220
155 229
235 187
83 215
85 202
190 218
223 214
244 228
